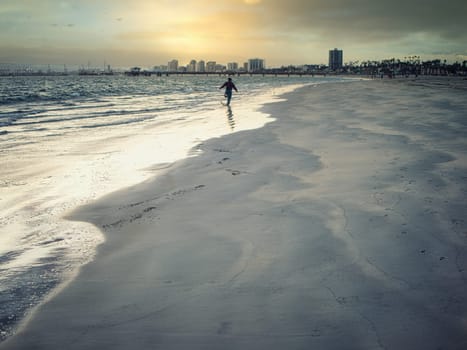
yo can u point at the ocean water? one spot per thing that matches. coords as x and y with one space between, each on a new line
67 140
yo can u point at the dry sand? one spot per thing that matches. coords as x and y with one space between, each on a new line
341 225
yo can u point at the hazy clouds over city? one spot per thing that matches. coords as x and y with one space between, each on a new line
147 32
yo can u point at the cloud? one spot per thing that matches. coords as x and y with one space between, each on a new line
369 19
280 31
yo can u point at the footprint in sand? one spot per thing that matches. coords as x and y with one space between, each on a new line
224 328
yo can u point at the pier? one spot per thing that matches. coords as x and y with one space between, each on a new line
226 73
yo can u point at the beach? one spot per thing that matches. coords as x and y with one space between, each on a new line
69 140
339 224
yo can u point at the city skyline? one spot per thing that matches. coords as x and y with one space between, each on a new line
403 66
152 32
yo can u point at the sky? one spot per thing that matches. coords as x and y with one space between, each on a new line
145 33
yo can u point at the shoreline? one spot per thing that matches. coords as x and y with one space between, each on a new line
342 218
169 141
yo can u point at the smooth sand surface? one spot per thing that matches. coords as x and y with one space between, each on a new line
341 225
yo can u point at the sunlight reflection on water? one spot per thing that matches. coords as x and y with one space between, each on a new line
67 141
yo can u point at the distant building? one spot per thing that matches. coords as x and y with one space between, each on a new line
256 65
335 59
161 68
211 66
220 68
191 66
172 66
232 66
201 66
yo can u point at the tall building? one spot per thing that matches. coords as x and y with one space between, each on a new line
211 66
335 59
191 66
172 66
256 65
200 66
232 66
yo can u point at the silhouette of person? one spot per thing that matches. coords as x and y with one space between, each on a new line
229 86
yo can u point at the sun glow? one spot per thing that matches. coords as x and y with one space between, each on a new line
283 32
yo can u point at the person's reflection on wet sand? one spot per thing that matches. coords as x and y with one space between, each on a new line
230 118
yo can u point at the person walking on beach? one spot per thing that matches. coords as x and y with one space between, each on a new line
229 86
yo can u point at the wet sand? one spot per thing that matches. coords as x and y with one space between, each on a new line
339 225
